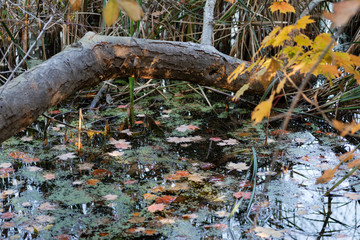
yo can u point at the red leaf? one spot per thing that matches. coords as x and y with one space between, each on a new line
165 199
101 173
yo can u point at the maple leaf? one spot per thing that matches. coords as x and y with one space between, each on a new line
346 128
237 166
343 12
326 177
303 22
156 207
262 110
282 6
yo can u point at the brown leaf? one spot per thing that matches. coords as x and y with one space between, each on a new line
165 199
326 177
75 6
92 182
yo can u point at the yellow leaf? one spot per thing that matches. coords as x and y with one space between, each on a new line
270 39
111 12
262 110
303 22
280 85
239 70
330 71
283 35
282 6
132 9
303 40
75 5
326 177
240 92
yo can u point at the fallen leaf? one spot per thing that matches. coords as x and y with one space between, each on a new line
5 165
149 196
185 139
9 192
220 226
47 206
85 166
196 177
237 166
27 139
156 207
34 169
165 199
49 176
7 215
179 186
45 218
150 232
101 173
268 232
110 197
130 181
215 139
353 196
166 220
326 177
92 182
229 141
30 159
190 216
17 155
115 153
222 214
8 225
136 220
67 156
245 195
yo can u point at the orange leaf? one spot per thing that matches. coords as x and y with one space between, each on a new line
262 110
92 182
150 232
17 154
182 173
343 12
326 177
282 6
75 5
346 128
354 163
101 173
156 207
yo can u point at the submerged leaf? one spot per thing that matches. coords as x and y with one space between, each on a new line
326 177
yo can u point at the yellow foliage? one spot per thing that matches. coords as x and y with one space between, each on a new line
111 12
132 9
239 70
282 6
262 110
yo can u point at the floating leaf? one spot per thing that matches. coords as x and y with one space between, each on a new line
196 177
149 196
166 220
215 139
30 159
7 215
49 176
85 166
17 155
353 196
34 169
237 166
156 207
268 232
150 232
165 199
92 182
47 206
245 195
45 218
67 156
326 177
229 141
220 226
101 173
110 197
190 216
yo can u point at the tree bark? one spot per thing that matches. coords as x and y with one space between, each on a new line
98 58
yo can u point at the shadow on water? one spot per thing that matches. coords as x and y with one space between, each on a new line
191 180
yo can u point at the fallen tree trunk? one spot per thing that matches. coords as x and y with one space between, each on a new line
97 58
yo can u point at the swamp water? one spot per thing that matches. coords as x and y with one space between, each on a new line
183 172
